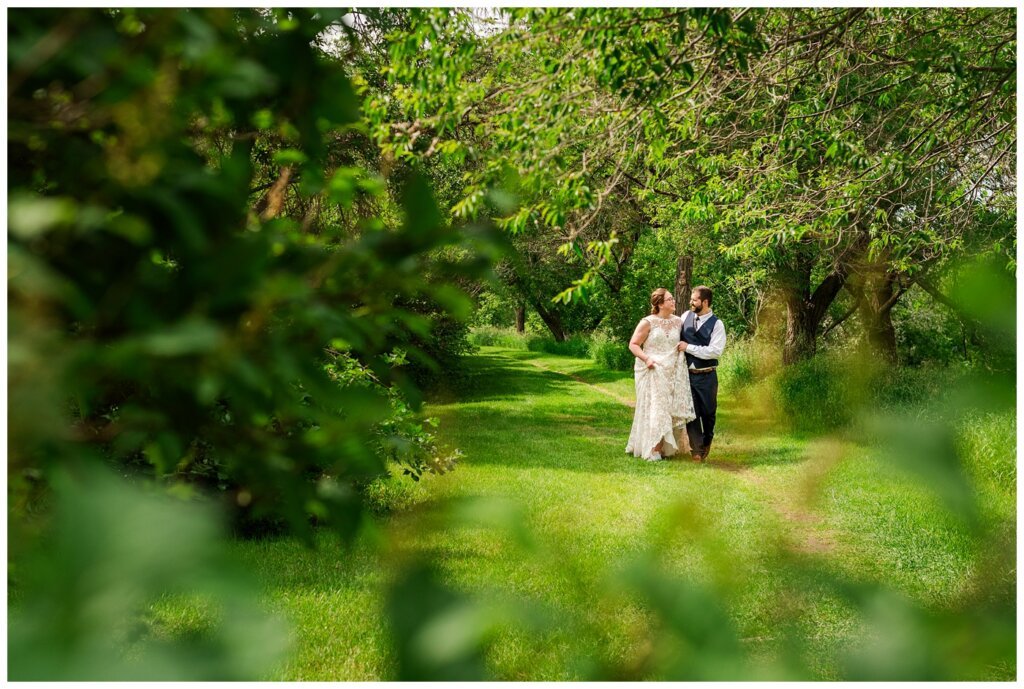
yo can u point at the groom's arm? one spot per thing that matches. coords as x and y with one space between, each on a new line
714 348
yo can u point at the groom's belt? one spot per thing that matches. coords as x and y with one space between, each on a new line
702 370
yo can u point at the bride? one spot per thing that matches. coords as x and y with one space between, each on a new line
663 399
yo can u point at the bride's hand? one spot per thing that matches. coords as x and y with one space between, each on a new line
651 363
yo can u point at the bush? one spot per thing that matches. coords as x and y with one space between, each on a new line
501 337
747 361
819 394
926 331
610 353
210 362
435 353
494 310
575 345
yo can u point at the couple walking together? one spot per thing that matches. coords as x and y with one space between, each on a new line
676 382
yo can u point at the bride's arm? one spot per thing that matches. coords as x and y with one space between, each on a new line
643 329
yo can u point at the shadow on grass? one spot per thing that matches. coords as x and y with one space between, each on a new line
488 377
591 373
587 436
506 411
498 378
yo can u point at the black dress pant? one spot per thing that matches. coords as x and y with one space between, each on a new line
701 430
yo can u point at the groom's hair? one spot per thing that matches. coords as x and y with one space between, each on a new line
704 293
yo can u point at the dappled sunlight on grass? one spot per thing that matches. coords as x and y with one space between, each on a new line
560 539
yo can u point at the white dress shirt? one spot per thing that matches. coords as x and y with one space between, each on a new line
715 347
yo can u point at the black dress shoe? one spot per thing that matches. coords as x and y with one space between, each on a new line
704 453
698 457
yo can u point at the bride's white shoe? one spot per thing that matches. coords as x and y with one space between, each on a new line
655 457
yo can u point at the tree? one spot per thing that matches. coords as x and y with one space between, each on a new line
192 336
821 145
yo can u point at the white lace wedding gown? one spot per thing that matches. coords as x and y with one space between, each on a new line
664 403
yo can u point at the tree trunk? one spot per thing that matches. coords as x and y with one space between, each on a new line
271 204
521 318
804 310
551 320
684 273
880 332
801 331
876 296
520 281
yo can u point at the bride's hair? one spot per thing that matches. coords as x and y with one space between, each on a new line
657 297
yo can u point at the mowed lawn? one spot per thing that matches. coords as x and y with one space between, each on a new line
546 511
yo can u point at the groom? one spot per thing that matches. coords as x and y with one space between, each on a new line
702 339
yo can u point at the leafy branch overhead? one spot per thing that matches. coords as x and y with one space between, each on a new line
878 139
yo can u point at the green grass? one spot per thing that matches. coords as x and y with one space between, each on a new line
544 437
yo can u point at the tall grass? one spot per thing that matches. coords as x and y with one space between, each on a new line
831 391
821 394
579 345
487 336
747 361
575 345
989 442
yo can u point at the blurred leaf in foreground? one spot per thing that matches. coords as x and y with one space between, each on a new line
110 552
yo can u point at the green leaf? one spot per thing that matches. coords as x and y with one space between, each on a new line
191 336
289 156
29 215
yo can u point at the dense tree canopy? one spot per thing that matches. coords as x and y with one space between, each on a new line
819 149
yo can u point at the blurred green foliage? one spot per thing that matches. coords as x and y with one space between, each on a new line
167 319
109 551
181 329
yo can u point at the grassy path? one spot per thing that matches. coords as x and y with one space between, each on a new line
809 534
567 511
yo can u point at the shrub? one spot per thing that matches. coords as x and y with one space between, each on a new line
212 355
819 394
926 331
435 354
501 337
494 310
575 345
610 353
